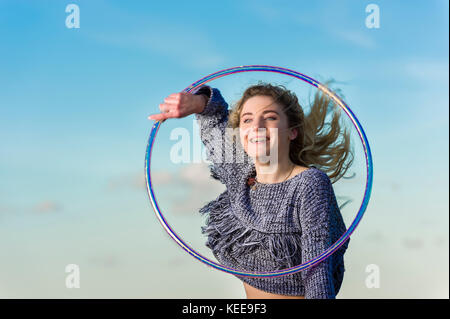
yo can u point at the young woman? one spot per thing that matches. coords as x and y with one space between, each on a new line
277 211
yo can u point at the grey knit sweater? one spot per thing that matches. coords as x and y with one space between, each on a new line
274 226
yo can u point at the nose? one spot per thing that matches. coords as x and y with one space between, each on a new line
258 123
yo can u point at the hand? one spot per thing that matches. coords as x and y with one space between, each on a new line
180 105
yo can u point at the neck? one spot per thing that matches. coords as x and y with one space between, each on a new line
269 173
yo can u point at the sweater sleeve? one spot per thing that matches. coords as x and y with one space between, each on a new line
228 161
314 218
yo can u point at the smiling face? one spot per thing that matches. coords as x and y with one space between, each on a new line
263 128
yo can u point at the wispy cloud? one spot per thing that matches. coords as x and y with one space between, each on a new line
47 206
176 262
196 175
137 181
413 243
358 38
427 71
287 12
265 11
316 18
186 45
375 237
192 48
104 260
133 181
6 209
440 241
199 188
162 178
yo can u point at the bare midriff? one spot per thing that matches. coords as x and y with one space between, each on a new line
254 293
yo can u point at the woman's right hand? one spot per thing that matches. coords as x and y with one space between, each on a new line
178 105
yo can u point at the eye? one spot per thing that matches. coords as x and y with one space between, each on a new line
245 121
271 117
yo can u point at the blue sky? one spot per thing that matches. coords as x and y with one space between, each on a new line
73 109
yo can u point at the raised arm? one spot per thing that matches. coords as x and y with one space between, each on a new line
229 159
321 225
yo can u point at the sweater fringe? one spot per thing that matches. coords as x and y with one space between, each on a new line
226 234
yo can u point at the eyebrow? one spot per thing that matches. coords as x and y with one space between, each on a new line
267 111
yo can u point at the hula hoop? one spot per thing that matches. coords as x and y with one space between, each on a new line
332 248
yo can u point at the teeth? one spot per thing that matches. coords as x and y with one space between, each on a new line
256 140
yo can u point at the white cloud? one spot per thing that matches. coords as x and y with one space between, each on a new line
133 181
161 177
195 175
199 187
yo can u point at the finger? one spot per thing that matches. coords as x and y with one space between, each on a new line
171 100
165 107
172 113
169 106
159 117
174 96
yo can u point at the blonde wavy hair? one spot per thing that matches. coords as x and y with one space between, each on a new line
312 146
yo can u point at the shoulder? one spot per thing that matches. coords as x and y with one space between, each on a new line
313 186
314 194
313 178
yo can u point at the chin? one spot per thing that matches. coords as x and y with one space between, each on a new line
255 153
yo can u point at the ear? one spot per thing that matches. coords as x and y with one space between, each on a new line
293 134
